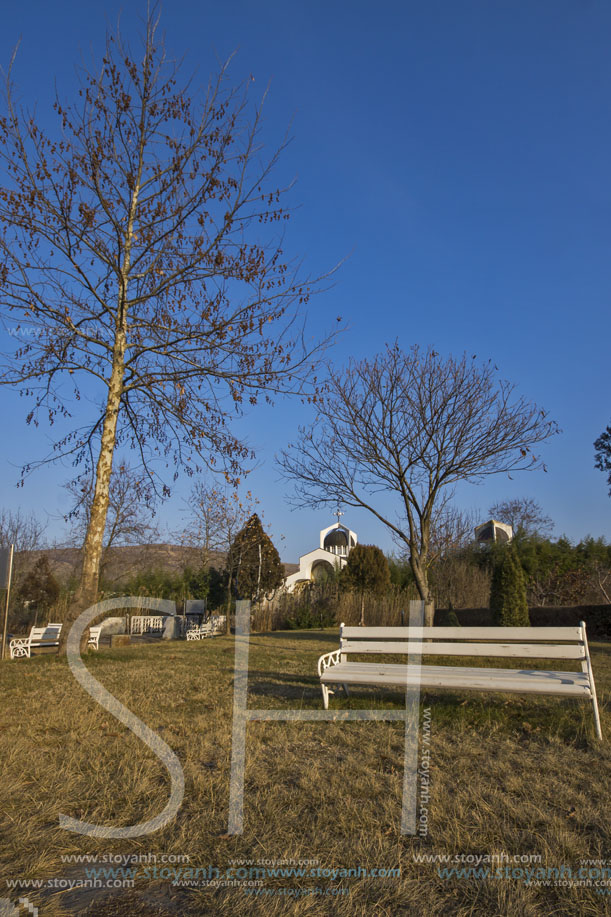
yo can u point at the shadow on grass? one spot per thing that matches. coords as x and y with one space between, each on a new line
284 687
305 636
599 647
523 717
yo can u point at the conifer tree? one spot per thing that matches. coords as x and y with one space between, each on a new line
508 602
40 588
253 563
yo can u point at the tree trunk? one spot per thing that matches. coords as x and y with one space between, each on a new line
259 575
87 591
429 614
424 592
362 621
229 579
93 547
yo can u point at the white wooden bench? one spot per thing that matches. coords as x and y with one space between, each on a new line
94 637
199 631
215 625
38 637
513 642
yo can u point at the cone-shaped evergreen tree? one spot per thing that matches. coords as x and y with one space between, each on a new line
40 588
508 602
253 562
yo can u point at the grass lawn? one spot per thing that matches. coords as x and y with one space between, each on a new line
510 776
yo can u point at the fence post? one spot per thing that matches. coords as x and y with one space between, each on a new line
240 701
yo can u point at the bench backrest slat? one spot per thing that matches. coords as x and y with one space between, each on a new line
48 634
524 634
514 650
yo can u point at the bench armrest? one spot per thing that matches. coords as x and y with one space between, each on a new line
19 647
94 637
328 660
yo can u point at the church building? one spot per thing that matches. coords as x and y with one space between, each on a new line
336 542
493 531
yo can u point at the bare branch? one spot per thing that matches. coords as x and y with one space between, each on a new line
412 425
142 261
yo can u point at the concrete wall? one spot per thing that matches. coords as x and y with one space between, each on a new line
113 626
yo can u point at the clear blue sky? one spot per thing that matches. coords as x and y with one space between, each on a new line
459 152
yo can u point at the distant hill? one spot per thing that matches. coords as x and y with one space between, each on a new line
122 563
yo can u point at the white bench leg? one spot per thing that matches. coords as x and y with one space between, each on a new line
345 687
587 668
597 718
599 733
325 697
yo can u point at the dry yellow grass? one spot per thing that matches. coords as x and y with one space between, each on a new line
514 775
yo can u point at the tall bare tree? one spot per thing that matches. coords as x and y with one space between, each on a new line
129 518
142 263
524 515
411 424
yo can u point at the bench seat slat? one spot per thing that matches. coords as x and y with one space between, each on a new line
512 680
463 669
518 650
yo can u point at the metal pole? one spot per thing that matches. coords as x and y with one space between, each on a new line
8 595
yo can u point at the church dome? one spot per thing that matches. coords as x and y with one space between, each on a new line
336 539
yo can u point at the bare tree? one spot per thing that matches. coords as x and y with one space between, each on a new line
129 519
602 454
142 256
26 533
524 515
214 517
20 529
600 580
412 425
451 531
451 528
457 582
